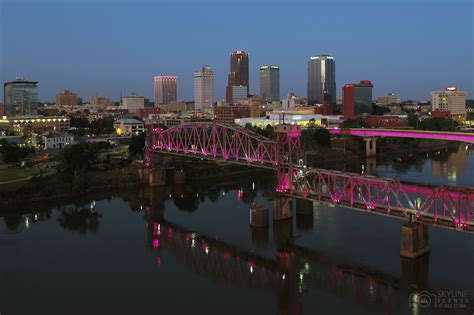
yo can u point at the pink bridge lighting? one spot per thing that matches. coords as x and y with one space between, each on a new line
446 206
434 135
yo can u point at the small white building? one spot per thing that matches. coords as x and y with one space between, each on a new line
128 126
54 141
133 102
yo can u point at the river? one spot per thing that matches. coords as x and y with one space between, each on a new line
190 249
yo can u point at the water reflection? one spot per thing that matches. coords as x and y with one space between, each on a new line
277 264
81 219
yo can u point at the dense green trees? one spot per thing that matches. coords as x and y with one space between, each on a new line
13 153
100 126
137 144
78 157
439 124
355 123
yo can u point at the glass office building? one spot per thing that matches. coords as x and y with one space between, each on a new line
321 79
270 83
20 97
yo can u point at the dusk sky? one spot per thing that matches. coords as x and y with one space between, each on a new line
408 47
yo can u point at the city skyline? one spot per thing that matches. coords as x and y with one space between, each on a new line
394 55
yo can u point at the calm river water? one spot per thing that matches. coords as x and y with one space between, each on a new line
190 249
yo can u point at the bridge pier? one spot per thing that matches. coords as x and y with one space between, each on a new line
414 241
143 174
283 234
282 208
157 177
304 214
370 165
370 146
415 272
179 177
258 215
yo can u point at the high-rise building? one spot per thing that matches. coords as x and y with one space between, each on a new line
20 96
357 99
203 88
270 83
321 79
450 100
133 102
239 71
66 98
166 89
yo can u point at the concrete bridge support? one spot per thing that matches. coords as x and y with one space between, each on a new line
283 234
415 272
258 215
371 165
179 177
143 174
414 240
304 206
370 146
157 177
304 214
282 208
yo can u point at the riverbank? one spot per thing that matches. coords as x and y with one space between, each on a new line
64 185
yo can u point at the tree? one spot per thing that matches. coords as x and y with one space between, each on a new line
137 144
79 156
355 123
379 110
12 153
439 124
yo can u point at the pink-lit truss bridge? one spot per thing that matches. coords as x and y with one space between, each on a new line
446 206
399 133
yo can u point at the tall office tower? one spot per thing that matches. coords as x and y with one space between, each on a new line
270 83
450 100
321 79
239 72
166 89
357 99
203 88
20 96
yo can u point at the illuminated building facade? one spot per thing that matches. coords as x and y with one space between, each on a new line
22 124
450 100
321 79
166 89
203 89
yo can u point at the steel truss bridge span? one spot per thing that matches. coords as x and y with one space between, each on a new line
446 206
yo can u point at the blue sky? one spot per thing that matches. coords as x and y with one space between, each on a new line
405 46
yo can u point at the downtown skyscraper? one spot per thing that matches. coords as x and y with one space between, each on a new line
166 89
203 88
239 72
269 83
321 79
